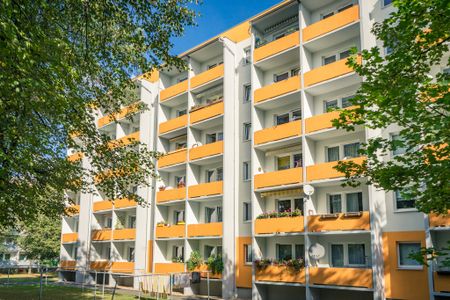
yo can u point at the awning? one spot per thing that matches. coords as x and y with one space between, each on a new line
282 193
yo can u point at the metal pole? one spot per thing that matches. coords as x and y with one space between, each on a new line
114 291
207 279
103 288
157 287
40 283
7 282
95 285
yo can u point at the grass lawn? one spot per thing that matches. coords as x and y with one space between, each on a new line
19 278
31 292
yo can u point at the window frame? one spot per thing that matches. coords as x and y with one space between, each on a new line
344 195
341 149
383 5
246 171
291 159
248 249
396 209
247 212
247 131
407 267
345 253
247 93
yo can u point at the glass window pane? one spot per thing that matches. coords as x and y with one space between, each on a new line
345 7
208 214
405 249
219 174
351 150
328 15
335 204
284 205
402 201
248 253
329 59
354 202
344 54
297 160
331 105
284 162
247 88
280 77
282 119
296 115
284 252
386 2
333 153
356 254
209 175
220 136
208 251
337 255
299 251
210 138
298 204
346 101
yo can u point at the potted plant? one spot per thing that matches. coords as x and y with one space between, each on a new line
161 224
162 188
181 223
194 261
215 264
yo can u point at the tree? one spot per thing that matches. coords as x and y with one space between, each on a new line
398 89
60 62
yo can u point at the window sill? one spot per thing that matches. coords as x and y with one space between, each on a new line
406 210
412 268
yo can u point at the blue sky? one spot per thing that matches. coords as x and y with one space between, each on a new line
217 16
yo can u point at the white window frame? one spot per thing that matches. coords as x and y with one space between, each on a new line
401 210
291 162
341 148
292 199
247 211
247 128
247 88
344 199
176 249
246 171
391 138
336 54
214 175
247 248
129 252
178 111
216 133
407 267
346 255
290 114
247 56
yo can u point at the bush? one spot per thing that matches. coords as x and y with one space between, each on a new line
215 264
194 261
293 264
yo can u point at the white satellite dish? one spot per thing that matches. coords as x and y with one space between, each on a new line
308 189
316 251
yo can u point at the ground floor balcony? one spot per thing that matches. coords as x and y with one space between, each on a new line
122 267
277 273
68 264
279 225
205 230
170 231
339 222
203 269
348 277
165 268
291 176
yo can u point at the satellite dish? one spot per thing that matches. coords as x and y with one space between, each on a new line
308 189
316 251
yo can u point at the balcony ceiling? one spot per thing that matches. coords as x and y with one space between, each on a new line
208 52
313 5
275 17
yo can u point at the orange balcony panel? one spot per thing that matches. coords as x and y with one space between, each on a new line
120 115
278 132
320 223
68 264
101 234
206 112
277 46
165 268
102 205
326 170
327 72
207 229
173 90
441 283
332 23
279 225
439 220
278 178
355 277
122 267
206 150
100 265
280 274
171 195
322 121
203 269
69 237
124 234
75 157
173 158
173 124
124 203
206 189
172 231
207 76
126 140
277 89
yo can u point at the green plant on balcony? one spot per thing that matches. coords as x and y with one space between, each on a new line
276 214
178 259
215 264
161 224
194 261
294 265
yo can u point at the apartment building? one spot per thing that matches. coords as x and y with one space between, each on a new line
248 172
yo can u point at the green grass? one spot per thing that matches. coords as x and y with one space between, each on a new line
21 278
31 292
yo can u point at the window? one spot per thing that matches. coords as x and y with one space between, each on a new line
108 253
180 145
22 257
396 138
7 256
108 223
298 204
219 176
282 119
208 251
247 56
182 79
219 251
297 160
351 150
178 216
284 162
209 175
388 50
132 222
331 105
246 171
214 137
280 77
247 92
332 154
248 254
131 254
329 59
345 7
209 212
346 101
328 15
295 72
354 202
219 214
386 2
247 128
404 250
356 254
335 203
337 255
212 66
247 211
296 115
180 181
284 252
345 54
299 251
212 174
181 112
403 201
178 253
283 205
288 117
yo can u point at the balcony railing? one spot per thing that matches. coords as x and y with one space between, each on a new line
130 109
124 203
332 23
203 268
277 89
279 178
273 273
173 124
101 234
354 277
203 230
172 231
102 205
327 72
165 268
279 225
122 267
126 140
326 170
206 112
69 237
279 132
207 76
205 189
441 282
173 158
173 90
338 222
100 265
171 195
206 150
68 264
124 234
277 46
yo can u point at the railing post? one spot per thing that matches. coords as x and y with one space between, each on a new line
95 285
40 283
207 280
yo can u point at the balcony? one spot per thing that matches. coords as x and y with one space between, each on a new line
277 89
120 115
207 76
439 220
349 277
206 150
69 237
203 230
122 267
173 91
279 225
170 195
279 132
279 178
277 46
124 203
206 189
173 158
322 121
68 264
102 205
203 269
273 273
441 282
326 170
206 112
172 231
126 140
124 234
173 124
100 265
339 222
332 23
328 72
101 235
165 268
